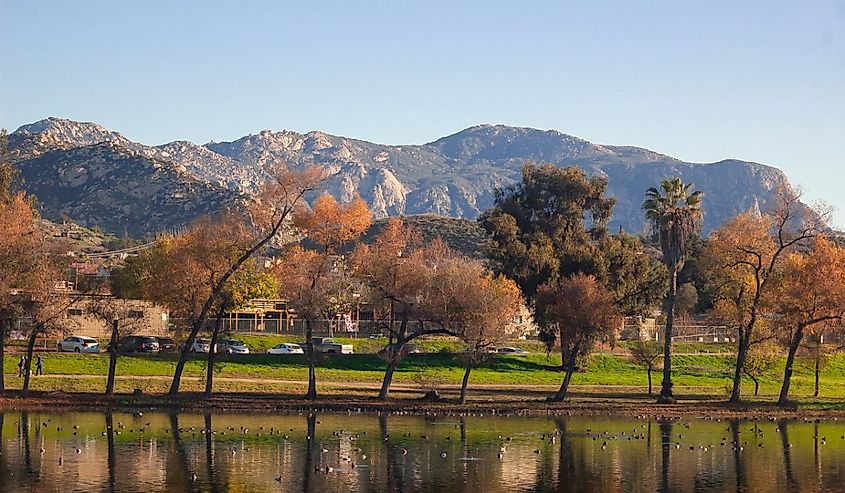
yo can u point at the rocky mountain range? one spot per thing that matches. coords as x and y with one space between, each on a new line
97 177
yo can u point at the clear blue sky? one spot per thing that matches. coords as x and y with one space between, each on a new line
755 80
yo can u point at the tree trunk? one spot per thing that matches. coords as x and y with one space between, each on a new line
388 378
666 394
570 369
3 355
649 380
464 383
741 355
756 385
393 359
30 348
818 367
312 360
183 357
115 334
783 398
212 354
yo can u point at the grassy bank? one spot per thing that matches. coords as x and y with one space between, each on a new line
695 374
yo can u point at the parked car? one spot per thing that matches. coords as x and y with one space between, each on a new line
408 348
286 348
78 344
232 346
511 350
201 346
166 345
327 345
137 344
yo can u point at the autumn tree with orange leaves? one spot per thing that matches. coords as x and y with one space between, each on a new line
316 282
24 259
395 267
486 306
811 297
117 312
189 272
20 253
746 258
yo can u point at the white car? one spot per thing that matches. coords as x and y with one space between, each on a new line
201 346
78 344
286 348
232 346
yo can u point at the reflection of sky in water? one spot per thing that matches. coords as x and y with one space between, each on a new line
161 452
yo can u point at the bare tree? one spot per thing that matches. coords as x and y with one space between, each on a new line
120 313
46 307
318 288
646 354
761 359
400 274
819 353
487 307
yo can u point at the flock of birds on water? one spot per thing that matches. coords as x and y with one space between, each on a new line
606 436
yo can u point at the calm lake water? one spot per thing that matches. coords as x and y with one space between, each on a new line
240 452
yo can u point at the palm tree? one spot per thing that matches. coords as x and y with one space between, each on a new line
675 214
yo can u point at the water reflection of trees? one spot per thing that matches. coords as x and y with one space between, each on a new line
791 482
178 469
311 436
25 426
666 454
111 453
739 463
217 478
573 461
394 473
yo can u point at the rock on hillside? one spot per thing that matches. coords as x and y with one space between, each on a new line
116 189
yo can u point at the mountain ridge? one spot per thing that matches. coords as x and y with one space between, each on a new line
455 175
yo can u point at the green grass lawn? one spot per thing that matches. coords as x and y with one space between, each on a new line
699 374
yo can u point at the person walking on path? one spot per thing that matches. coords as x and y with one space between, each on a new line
21 365
39 365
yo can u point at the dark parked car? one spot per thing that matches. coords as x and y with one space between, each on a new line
138 344
166 345
511 350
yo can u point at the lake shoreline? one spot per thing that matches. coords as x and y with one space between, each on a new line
262 403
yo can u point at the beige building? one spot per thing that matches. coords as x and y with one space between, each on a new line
144 317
